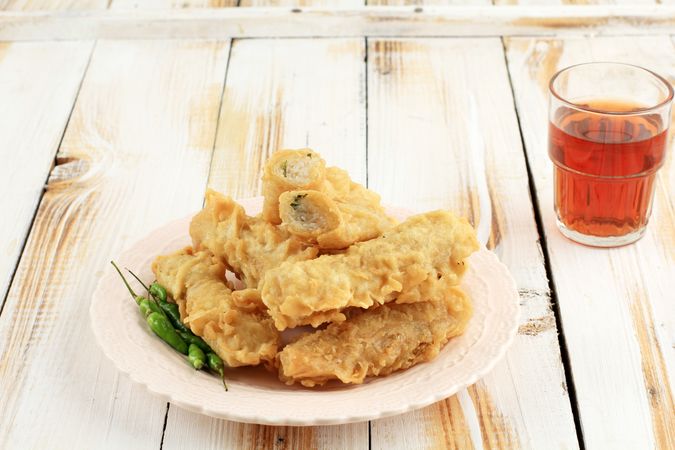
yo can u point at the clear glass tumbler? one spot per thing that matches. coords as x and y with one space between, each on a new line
608 127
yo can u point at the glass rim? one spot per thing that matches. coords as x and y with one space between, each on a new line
662 80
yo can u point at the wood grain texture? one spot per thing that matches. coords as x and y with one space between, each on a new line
164 4
448 21
436 119
167 4
190 430
427 2
280 94
52 5
616 305
132 158
303 3
575 2
30 132
290 93
439 426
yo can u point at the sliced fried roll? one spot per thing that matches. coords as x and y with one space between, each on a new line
288 170
331 224
309 214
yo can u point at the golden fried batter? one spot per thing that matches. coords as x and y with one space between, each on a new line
249 246
237 329
331 224
288 170
344 211
416 261
309 214
375 342
340 187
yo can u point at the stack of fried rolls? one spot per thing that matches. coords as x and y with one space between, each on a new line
373 296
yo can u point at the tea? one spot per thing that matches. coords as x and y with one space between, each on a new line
605 166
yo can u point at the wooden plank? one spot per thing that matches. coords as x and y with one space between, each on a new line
282 93
290 93
167 4
51 5
132 158
303 3
437 120
222 23
190 430
576 2
422 3
616 305
30 132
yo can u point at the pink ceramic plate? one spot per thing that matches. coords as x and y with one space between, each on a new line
255 395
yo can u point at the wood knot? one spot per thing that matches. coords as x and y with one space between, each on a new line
537 325
533 294
67 169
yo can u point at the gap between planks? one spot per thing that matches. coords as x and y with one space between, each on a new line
562 344
44 184
596 305
213 149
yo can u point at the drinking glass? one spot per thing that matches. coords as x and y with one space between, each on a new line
608 127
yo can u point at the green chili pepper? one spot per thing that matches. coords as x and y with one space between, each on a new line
139 280
216 364
144 306
160 306
163 316
161 326
190 338
147 307
158 291
171 311
196 356
137 298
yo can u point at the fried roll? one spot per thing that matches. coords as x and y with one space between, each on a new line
375 342
238 330
415 261
288 170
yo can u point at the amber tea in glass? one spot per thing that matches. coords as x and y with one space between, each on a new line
608 127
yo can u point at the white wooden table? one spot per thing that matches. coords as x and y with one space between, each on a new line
117 115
